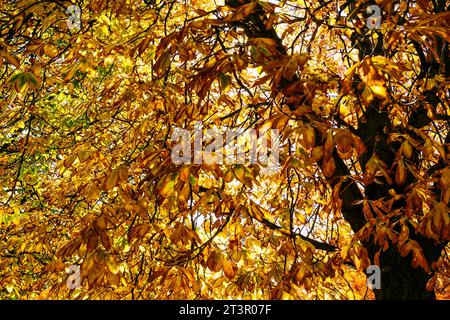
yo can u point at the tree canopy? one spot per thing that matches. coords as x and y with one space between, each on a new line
94 92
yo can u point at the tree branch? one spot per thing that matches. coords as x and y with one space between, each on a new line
317 244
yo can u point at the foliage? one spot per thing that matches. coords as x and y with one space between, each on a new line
87 114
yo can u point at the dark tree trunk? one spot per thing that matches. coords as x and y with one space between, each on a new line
400 281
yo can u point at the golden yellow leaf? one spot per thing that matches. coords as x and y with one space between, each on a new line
112 180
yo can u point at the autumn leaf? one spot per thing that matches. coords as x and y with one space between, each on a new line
11 59
112 180
215 262
229 268
162 64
